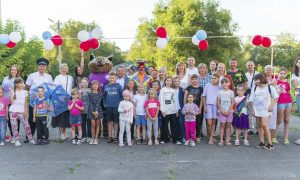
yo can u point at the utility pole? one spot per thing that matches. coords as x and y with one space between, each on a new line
0 11
58 27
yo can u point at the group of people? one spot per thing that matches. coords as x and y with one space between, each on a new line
154 108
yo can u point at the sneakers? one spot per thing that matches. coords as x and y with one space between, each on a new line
156 142
237 142
129 144
269 147
2 143
210 142
79 141
162 142
192 144
274 141
187 143
221 143
138 141
250 132
246 143
144 141
18 143
178 142
121 145
8 138
96 141
228 143
91 141
13 141
83 140
74 141
183 140
260 145
297 142
45 141
32 141
39 142
286 142
88 140
150 142
110 140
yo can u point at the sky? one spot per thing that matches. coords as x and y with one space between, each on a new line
120 18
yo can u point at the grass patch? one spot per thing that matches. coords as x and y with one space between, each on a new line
295 128
58 140
71 170
165 152
171 173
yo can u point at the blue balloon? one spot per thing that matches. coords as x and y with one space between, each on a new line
4 39
201 35
46 35
90 35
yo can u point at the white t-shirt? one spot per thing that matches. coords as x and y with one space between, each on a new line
36 79
62 80
225 97
184 82
297 79
139 101
250 77
192 71
261 100
177 97
19 103
121 81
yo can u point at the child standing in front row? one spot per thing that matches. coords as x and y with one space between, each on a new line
19 110
4 102
140 120
210 105
152 108
86 123
225 105
125 118
190 110
240 117
41 108
75 106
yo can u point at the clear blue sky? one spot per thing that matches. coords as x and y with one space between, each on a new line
119 18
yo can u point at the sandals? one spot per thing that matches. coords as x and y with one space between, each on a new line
221 143
210 141
228 143
246 142
116 140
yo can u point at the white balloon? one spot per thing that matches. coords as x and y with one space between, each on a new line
15 37
48 45
161 43
97 33
83 36
195 40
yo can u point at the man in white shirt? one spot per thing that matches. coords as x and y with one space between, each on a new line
35 79
122 79
191 68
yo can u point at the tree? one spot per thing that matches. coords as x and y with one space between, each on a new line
182 19
71 53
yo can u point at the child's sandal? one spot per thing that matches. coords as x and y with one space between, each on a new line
228 143
210 141
116 140
221 143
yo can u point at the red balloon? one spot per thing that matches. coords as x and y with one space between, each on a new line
85 46
11 44
266 42
257 40
161 32
203 45
94 43
57 40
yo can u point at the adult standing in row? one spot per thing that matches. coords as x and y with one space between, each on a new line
7 84
78 76
35 79
238 76
213 65
181 73
204 77
221 70
67 82
250 74
122 79
191 69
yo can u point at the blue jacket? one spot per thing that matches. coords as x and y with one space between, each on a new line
112 95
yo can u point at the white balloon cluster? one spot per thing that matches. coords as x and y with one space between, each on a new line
84 35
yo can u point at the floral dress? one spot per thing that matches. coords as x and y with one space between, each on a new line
95 100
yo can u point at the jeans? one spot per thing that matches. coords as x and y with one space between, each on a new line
155 128
41 128
124 125
86 127
298 103
2 128
181 124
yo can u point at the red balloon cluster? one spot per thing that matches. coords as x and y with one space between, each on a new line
91 43
57 40
260 40
11 44
203 45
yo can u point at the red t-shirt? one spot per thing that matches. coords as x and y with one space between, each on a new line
284 96
75 111
153 106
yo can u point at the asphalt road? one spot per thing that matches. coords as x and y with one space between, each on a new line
62 160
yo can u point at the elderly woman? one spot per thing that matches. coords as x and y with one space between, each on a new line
7 84
222 72
272 80
204 78
67 82
181 73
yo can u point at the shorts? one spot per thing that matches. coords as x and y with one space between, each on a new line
284 106
140 120
75 120
112 114
224 119
211 111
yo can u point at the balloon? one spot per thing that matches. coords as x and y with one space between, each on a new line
257 40
83 36
97 33
48 45
195 41
11 44
266 42
4 39
94 43
201 35
57 40
161 32
161 43
46 35
15 37
203 45
85 46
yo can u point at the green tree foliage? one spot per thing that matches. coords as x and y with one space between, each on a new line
182 19
71 53
24 55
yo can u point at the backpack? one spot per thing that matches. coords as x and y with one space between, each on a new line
269 88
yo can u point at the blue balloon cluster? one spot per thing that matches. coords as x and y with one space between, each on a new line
4 39
201 35
46 35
